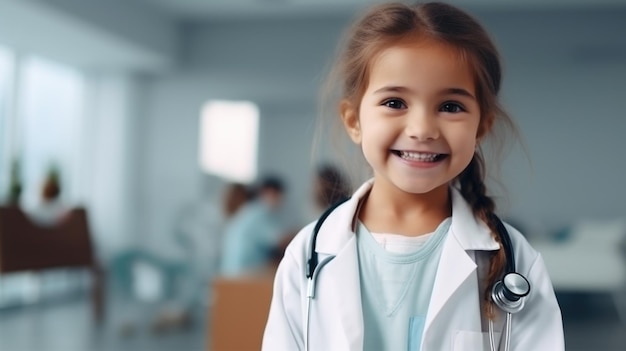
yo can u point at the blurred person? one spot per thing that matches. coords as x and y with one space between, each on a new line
51 209
416 259
329 186
235 197
201 229
200 233
254 232
184 274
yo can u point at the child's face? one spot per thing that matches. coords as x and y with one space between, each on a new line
418 119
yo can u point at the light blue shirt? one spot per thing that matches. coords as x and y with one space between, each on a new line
249 239
396 290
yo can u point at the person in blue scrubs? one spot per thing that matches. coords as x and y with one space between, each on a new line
254 232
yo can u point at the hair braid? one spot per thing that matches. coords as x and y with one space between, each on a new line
475 193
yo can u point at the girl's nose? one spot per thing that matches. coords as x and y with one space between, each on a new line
422 126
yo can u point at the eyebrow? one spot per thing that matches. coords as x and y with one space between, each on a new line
459 91
448 91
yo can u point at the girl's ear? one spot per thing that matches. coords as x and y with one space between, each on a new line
350 119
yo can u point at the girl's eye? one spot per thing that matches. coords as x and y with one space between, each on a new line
394 104
452 107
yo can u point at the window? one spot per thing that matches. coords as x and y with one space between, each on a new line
40 125
7 72
228 139
50 107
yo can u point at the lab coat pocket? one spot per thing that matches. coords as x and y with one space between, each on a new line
473 341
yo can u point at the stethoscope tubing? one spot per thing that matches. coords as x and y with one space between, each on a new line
506 335
310 295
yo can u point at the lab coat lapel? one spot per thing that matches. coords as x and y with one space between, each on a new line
455 265
337 238
347 295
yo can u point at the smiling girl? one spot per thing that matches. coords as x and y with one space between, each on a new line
416 259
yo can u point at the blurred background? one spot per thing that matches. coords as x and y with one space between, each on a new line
127 126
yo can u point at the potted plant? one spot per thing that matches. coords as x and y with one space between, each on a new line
51 186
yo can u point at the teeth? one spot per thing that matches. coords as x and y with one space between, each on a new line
417 156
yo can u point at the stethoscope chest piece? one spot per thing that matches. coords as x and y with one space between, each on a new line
509 293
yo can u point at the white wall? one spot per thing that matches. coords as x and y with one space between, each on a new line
564 84
110 164
574 129
171 177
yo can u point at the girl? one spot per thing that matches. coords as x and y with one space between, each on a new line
410 261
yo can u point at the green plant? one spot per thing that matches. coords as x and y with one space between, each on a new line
15 183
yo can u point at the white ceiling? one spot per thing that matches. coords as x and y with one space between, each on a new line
94 36
227 9
146 34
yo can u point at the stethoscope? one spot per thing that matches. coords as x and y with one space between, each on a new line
508 293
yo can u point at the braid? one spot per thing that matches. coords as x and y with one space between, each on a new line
474 191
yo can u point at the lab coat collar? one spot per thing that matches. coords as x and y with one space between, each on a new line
337 229
469 232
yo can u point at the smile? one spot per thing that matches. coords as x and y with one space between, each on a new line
419 156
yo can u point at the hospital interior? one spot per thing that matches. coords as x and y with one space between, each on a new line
137 121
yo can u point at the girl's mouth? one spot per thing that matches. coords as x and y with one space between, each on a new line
419 156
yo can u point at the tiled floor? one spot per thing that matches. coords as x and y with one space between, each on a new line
68 326
591 324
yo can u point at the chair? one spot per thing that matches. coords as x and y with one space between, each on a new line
26 246
239 312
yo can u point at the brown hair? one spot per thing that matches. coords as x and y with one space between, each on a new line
331 186
50 190
51 187
389 24
235 197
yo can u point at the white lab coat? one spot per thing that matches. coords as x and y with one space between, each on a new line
453 320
